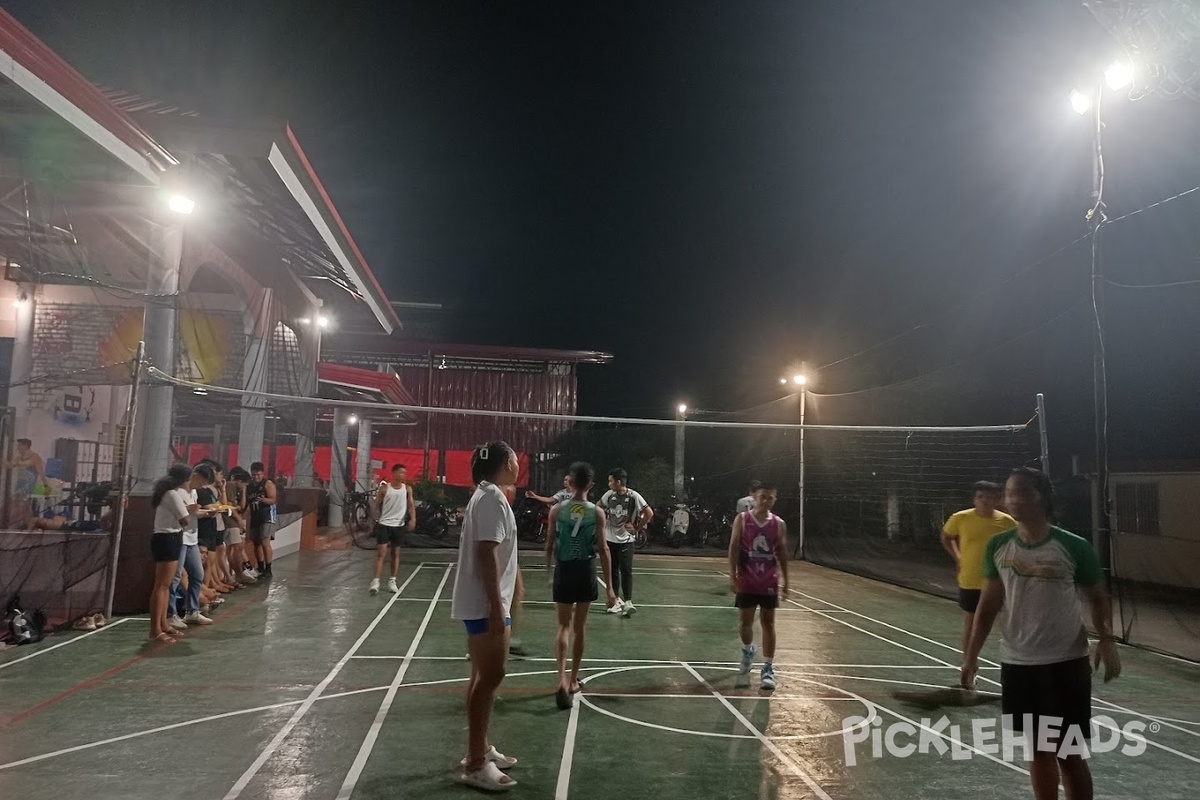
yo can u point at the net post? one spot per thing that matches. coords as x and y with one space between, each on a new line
1043 436
123 494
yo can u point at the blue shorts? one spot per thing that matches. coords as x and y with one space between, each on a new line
478 626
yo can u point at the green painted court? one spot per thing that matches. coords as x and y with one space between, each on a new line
310 688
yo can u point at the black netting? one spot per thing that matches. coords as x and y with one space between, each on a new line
61 574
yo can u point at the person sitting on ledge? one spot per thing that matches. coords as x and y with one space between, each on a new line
61 523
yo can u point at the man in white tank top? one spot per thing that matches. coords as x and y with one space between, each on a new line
394 512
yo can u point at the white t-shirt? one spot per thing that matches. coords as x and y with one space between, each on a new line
619 509
488 518
394 508
170 510
191 534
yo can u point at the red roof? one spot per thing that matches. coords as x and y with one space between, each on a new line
30 55
385 384
375 343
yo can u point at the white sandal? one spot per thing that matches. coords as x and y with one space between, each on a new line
489 778
494 756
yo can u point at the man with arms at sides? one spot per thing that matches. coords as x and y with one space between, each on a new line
1034 577
965 535
395 511
576 536
757 561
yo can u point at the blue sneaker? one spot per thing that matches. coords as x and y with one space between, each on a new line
768 676
748 652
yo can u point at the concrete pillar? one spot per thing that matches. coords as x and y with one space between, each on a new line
260 324
309 338
363 470
339 465
22 360
160 331
893 513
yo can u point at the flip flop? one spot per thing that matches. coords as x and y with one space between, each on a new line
489 778
162 638
494 756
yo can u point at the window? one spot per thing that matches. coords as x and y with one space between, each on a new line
1137 508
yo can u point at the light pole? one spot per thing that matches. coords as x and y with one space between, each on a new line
1117 76
680 416
800 381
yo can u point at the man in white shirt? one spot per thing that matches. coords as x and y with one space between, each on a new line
395 511
626 512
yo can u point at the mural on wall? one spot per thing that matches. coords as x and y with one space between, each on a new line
73 405
206 339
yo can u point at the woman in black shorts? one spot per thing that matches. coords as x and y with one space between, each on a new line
170 500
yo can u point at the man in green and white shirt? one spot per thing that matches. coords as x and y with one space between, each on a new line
1034 576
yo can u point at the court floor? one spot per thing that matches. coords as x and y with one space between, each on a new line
311 688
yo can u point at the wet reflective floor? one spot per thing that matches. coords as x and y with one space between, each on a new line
311 688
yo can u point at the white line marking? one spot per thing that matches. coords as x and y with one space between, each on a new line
43 650
676 661
1160 720
951 739
364 751
782 756
314 695
568 756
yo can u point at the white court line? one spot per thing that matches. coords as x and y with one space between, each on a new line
237 788
770 745
42 651
1148 740
568 756
364 751
677 661
951 739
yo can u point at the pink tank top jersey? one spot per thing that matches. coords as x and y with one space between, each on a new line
758 564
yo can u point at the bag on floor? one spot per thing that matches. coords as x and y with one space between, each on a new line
24 628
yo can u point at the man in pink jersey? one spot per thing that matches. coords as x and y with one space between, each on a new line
757 559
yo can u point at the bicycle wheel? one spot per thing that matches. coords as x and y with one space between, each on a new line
358 520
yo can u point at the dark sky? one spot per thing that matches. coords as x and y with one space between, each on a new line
714 191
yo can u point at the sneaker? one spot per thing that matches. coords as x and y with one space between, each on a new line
392 587
747 659
628 608
99 620
85 624
374 587
615 608
767 675
515 648
196 618
177 623
250 574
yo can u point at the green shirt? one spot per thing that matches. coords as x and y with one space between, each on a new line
1042 618
575 533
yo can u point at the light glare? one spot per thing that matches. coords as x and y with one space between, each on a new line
799 380
180 204
1118 75
323 322
1080 102
353 419
683 408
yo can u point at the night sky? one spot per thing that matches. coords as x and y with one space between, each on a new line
715 191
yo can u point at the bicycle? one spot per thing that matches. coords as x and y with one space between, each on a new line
357 514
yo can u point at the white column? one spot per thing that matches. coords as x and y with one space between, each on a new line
309 338
253 423
339 467
22 360
363 461
159 329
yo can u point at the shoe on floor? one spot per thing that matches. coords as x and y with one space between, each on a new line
628 608
489 778
177 623
374 587
747 659
84 624
615 608
392 587
99 620
196 618
767 677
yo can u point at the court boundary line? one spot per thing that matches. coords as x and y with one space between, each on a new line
930 656
41 651
699 662
368 745
763 740
568 757
240 785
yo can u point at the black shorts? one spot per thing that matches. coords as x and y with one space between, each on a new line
575 582
210 540
166 547
747 600
1060 690
388 534
968 599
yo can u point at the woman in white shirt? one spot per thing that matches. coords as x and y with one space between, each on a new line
483 596
170 500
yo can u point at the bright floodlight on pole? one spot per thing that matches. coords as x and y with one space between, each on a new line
1118 75
1080 102
323 322
353 420
799 380
682 408
181 204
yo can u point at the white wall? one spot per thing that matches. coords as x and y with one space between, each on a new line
1172 558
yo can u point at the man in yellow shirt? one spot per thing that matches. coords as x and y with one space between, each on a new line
965 536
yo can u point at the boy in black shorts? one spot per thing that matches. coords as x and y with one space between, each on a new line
576 536
1034 575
